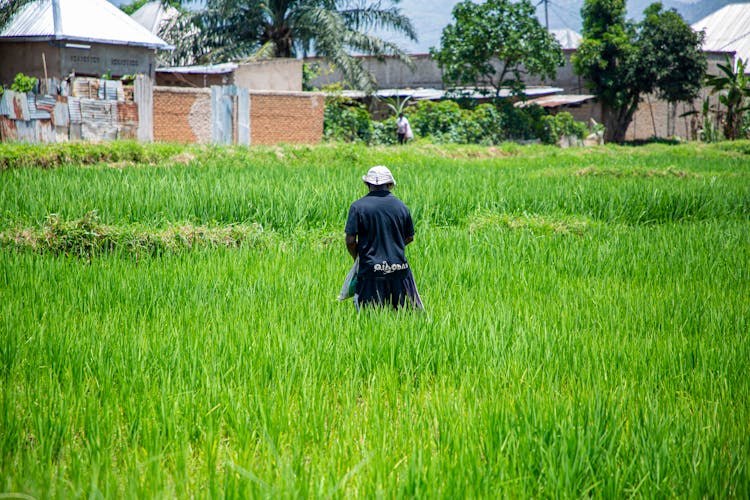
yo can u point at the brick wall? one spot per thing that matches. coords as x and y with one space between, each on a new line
184 115
292 117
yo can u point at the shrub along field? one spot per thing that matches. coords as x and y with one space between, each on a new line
169 324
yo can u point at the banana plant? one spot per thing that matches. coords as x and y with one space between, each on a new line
733 87
396 104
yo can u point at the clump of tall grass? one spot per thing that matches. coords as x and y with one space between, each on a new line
286 188
87 236
536 224
14 155
634 172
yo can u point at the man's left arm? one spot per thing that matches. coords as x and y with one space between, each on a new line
351 232
351 245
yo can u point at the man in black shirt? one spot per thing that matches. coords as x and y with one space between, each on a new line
378 228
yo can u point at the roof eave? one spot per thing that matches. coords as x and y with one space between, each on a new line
64 38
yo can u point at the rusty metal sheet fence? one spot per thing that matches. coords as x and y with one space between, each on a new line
88 109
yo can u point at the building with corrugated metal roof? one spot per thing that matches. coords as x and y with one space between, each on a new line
727 30
56 38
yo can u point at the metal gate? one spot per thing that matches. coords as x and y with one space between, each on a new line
230 109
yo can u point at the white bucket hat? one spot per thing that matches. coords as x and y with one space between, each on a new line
379 175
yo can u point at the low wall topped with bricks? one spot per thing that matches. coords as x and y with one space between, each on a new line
187 115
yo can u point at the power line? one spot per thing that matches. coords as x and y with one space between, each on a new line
546 12
564 12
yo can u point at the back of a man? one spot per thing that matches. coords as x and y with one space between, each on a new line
378 228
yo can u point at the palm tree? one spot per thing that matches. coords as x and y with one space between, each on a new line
232 29
9 8
733 86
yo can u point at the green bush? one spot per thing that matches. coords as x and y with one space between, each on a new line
447 122
561 124
23 83
347 121
384 131
483 125
521 123
437 119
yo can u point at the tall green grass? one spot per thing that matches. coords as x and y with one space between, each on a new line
585 332
288 189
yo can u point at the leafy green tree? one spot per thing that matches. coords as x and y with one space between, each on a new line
622 60
674 49
494 44
608 58
733 86
334 29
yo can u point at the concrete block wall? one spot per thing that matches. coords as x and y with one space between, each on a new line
291 117
277 74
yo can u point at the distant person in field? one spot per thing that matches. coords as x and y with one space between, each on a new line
378 228
403 129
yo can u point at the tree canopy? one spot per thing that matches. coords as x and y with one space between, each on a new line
494 44
621 60
674 52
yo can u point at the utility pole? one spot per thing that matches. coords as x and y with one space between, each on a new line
546 14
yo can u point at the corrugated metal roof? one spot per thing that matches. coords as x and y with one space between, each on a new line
554 101
212 69
154 15
568 38
434 94
79 21
727 30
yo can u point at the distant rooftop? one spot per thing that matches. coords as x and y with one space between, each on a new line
568 38
85 21
727 30
154 15
210 69
435 94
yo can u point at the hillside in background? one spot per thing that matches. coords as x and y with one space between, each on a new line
430 17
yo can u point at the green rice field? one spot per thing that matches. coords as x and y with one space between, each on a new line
169 326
